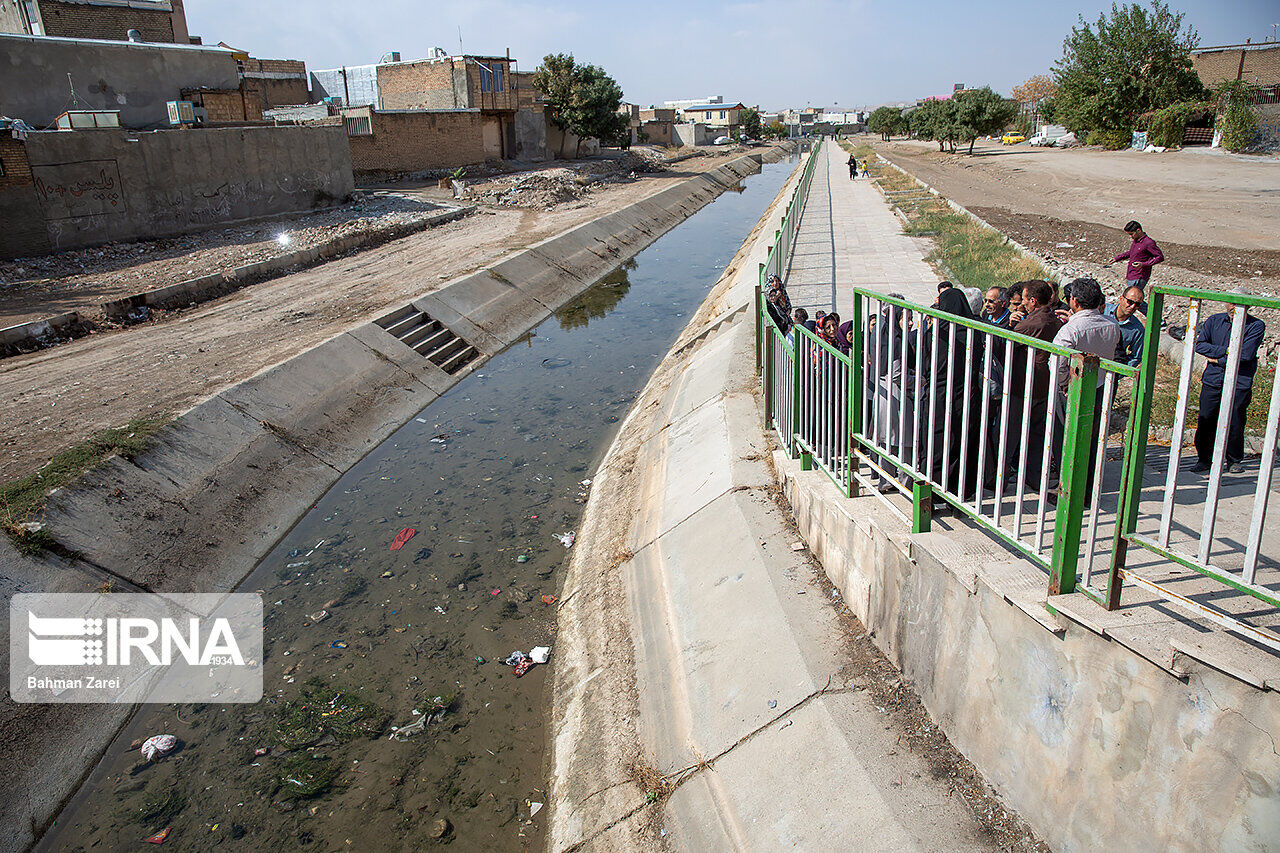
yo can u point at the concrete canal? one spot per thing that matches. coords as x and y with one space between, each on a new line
389 719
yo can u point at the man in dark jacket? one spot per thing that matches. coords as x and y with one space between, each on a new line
1040 322
1212 342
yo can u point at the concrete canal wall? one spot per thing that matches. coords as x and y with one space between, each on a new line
220 486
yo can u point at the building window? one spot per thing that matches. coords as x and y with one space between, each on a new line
722 114
358 125
497 79
491 78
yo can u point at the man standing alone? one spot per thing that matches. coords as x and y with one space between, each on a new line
1212 342
1142 255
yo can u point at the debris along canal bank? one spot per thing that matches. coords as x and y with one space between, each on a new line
361 638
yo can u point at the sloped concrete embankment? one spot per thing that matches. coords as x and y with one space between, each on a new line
1098 738
222 484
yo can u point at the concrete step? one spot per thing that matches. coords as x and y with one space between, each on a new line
425 329
434 342
442 353
460 359
396 317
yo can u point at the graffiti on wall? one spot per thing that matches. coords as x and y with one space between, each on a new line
83 188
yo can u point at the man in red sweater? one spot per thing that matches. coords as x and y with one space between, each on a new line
1142 255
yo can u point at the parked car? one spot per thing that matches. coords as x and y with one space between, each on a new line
1013 138
1048 135
721 140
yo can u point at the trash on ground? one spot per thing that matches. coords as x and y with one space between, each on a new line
540 654
423 553
261 751
159 837
797 546
441 828
440 610
496 591
417 727
523 667
567 539
387 575
402 537
480 659
318 616
157 746
549 599
523 558
773 703
514 658
534 808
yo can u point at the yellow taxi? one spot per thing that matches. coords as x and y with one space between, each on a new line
1013 138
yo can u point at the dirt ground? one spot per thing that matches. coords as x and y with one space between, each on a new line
1190 198
1215 215
53 398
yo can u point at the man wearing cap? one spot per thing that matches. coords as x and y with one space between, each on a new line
1212 342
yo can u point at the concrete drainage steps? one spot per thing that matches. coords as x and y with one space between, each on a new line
429 338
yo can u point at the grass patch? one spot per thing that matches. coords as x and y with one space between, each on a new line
21 498
972 255
323 709
302 777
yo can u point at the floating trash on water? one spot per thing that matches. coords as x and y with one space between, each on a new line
440 610
298 565
402 537
480 659
534 808
554 362
159 837
548 599
318 616
496 592
417 727
260 751
523 558
567 539
338 644
585 483
387 575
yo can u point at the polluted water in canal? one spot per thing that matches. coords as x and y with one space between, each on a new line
390 718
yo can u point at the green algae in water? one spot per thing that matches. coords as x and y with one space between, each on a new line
325 709
303 777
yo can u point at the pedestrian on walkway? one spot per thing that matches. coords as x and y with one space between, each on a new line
777 312
1142 255
853 167
1212 342
1040 322
774 283
1133 331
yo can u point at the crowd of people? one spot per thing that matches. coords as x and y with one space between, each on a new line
901 413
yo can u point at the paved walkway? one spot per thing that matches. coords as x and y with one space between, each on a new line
849 236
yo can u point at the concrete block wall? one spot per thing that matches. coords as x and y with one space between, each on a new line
103 185
418 140
71 19
1094 745
136 79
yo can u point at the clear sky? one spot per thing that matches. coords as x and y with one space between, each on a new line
840 55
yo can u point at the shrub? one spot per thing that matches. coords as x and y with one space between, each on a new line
1113 139
1237 122
1166 127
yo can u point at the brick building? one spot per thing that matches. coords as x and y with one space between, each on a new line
156 20
385 141
1258 64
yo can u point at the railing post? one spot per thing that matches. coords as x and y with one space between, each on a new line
806 460
1082 391
921 506
856 358
1135 451
759 322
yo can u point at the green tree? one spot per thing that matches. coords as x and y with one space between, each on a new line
1132 62
935 119
1049 110
775 130
885 121
584 99
980 112
749 119
1238 122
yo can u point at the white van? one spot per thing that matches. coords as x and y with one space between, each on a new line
1048 135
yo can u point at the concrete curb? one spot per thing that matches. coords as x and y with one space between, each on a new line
244 465
192 291
37 334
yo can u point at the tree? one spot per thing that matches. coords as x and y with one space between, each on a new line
935 119
584 99
750 121
885 121
981 112
1238 122
775 129
1133 62
1033 94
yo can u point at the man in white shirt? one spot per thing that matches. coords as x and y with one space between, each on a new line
1090 331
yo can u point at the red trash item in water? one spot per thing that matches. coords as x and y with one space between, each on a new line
523 667
402 537
159 837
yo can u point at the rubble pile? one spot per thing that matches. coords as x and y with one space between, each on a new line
548 187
